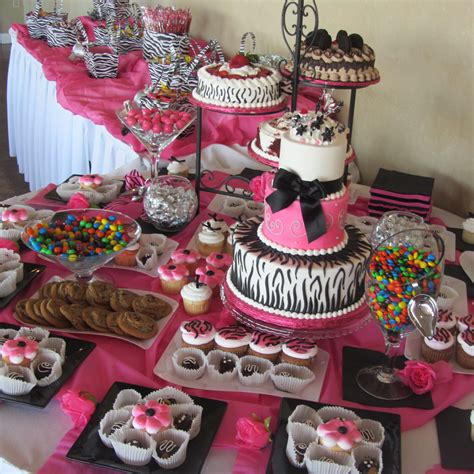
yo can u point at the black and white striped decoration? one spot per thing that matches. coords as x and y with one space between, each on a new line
102 65
102 36
61 35
159 45
160 73
243 42
127 44
37 24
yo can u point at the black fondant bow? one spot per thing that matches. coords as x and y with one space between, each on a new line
214 217
175 160
288 187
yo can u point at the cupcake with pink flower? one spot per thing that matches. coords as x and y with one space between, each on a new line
187 257
20 351
212 277
152 417
221 261
173 278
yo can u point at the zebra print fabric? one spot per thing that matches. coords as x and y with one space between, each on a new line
102 65
60 36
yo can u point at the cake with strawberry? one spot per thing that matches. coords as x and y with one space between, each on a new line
239 83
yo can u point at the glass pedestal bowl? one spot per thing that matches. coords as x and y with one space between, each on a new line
82 266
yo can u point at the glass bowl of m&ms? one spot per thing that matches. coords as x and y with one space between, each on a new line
82 240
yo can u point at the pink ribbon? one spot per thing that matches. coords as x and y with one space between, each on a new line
134 180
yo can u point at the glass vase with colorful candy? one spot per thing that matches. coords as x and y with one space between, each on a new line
403 278
82 240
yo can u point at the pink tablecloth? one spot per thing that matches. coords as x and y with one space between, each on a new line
115 360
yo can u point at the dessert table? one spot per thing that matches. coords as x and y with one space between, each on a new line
24 449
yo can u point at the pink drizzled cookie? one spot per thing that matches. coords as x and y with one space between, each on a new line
184 256
91 180
338 434
219 260
212 277
152 417
15 215
19 351
173 272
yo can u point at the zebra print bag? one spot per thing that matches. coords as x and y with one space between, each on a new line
101 62
38 20
60 35
159 45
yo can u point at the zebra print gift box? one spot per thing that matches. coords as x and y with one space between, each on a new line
101 61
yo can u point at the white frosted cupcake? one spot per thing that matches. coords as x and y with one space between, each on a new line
439 347
468 231
466 323
198 333
299 352
196 298
178 167
447 319
209 242
465 349
234 339
215 224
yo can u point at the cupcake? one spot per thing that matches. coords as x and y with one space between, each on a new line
298 352
465 349
267 346
212 277
468 231
466 323
20 351
234 207
339 435
151 417
90 181
321 460
234 339
126 258
439 347
447 297
198 333
178 167
188 258
173 278
221 261
215 224
196 298
209 242
253 209
447 319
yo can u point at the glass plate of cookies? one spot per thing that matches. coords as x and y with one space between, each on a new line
97 308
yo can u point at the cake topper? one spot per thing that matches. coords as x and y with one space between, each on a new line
327 105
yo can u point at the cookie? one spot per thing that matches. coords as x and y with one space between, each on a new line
112 323
50 310
137 325
62 289
76 292
45 291
20 310
152 306
122 300
31 311
96 318
99 293
73 313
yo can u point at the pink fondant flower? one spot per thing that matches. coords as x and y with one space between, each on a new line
421 377
79 405
78 201
211 276
173 272
257 186
151 417
219 260
252 432
14 215
91 180
339 433
185 256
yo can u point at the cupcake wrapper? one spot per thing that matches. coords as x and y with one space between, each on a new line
195 411
10 333
213 359
188 374
152 262
8 256
303 377
92 195
12 233
463 358
329 413
373 433
42 214
343 463
446 298
55 344
107 192
170 392
181 439
37 334
46 355
130 454
7 283
255 379
126 398
110 418
158 241
431 355
297 434
233 211
67 190
363 452
17 387
250 212
195 308
302 413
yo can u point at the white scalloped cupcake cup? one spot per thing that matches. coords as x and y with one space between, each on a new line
121 417
151 262
257 378
447 297
181 438
133 455
253 209
10 231
299 434
55 344
373 433
213 360
36 334
342 463
167 393
360 453
7 283
158 241
127 398
189 374
195 411
15 387
7 334
329 413
54 360
304 415
302 377
67 190
234 207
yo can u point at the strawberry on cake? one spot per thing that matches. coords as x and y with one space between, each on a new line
238 83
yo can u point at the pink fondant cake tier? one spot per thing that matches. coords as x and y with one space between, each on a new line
286 228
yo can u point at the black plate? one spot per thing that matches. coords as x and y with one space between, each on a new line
89 448
30 272
391 449
76 351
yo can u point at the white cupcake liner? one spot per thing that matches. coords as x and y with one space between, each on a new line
329 413
193 410
108 192
7 283
181 438
304 415
447 297
189 374
253 209
343 462
110 418
168 393
437 229
158 241
373 433
233 211
152 262
93 196
46 355
130 454
10 232
36 334
17 387
299 434
255 379
126 398
55 344
43 214
363 452
67 190
302 377
9 333
213 359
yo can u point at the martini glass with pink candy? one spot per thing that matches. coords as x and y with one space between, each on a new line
155 128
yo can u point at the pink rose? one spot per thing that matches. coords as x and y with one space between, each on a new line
78 405
78 201
421 376
257 186
253 433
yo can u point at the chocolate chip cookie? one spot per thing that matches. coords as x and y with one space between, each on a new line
112 323
151 306
76 292
98 293
137 325
96 318
73 313
122 300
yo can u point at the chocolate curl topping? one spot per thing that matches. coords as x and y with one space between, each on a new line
214 217
173 159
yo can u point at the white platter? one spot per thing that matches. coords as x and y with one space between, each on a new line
164 369
143 343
